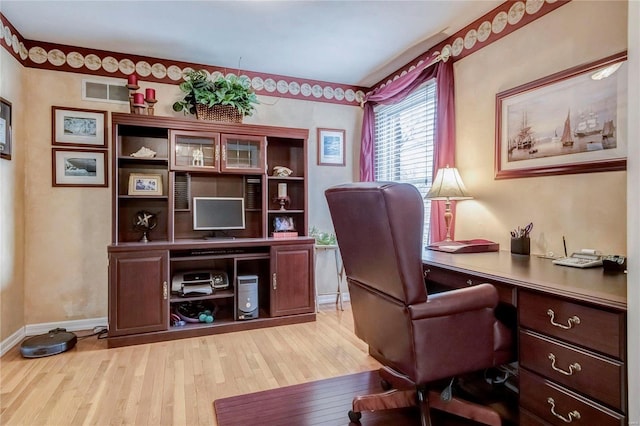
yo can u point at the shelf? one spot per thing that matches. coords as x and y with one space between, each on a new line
193 325
220 294
143 197
285 211
301 178
154 160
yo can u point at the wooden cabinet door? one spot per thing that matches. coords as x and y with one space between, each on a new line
195 151
138 292
291 280
242 154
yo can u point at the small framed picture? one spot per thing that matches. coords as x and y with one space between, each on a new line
283 224
331 147
145 184
79 127
5 129
78 167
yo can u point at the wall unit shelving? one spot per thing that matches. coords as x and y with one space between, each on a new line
206 159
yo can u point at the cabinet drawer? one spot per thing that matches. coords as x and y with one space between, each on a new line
559 406
442 280
528 419
587 373
583 325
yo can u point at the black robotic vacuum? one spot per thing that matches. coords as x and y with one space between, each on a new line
54 342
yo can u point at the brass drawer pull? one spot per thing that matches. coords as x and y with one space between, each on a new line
570 322
572 415
572 367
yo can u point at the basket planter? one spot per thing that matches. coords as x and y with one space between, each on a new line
218 113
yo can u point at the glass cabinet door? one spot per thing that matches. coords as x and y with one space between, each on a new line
195 151
242 154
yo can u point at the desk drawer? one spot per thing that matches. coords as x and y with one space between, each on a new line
583 325
558 406
449 280
588 373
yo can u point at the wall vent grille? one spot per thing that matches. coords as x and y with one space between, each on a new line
114 91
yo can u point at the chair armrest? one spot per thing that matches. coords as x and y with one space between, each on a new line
482 296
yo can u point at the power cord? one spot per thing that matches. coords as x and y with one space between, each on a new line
500 375
100 331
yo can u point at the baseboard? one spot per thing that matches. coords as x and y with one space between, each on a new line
12 340
35 329
73 325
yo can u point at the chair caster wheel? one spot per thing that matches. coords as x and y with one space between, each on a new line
355 416
385 385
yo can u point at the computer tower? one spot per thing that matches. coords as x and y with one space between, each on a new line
247 297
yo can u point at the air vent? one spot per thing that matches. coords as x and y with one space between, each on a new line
105 91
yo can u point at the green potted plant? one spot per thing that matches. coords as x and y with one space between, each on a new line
224 99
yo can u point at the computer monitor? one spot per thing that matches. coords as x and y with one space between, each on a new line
218 213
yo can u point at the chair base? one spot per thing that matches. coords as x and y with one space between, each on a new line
404 393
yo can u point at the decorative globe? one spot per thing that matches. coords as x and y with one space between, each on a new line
145 221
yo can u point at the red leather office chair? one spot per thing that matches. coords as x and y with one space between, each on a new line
419 339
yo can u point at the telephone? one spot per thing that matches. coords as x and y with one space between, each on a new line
585 258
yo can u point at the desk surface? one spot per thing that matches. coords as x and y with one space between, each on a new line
590 285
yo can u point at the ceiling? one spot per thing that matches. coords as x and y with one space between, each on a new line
349 42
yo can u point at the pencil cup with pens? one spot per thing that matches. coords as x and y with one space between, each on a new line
520 241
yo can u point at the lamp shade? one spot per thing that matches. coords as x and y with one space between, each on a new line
448 186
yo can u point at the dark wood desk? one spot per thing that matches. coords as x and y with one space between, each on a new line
571 332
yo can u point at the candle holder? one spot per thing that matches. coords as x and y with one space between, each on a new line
139 109
150 104
282 201
132 88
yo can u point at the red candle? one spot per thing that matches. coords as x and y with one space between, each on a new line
150 94
132 80
138 99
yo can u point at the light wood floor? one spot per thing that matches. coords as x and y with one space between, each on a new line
176 382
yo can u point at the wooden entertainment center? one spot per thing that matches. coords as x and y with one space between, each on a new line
199 159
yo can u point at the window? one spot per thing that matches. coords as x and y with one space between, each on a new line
404 138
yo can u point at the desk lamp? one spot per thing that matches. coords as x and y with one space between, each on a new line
448 186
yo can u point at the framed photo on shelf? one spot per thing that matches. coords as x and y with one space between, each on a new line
79 167
331 147
573 121
5 129
145 184
283 224
79 127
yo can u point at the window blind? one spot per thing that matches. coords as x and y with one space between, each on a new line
404 140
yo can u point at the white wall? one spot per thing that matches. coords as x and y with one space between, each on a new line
589 209
68 229
633 212
12 222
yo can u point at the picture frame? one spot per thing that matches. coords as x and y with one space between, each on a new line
283 224
331 150
85 128
145 184
5 129
573 121
79 167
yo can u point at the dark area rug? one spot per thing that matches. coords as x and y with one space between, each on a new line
323 402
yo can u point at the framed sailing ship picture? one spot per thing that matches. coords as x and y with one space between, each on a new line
573 121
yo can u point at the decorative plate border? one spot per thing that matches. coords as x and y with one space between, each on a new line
494 25
503 20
